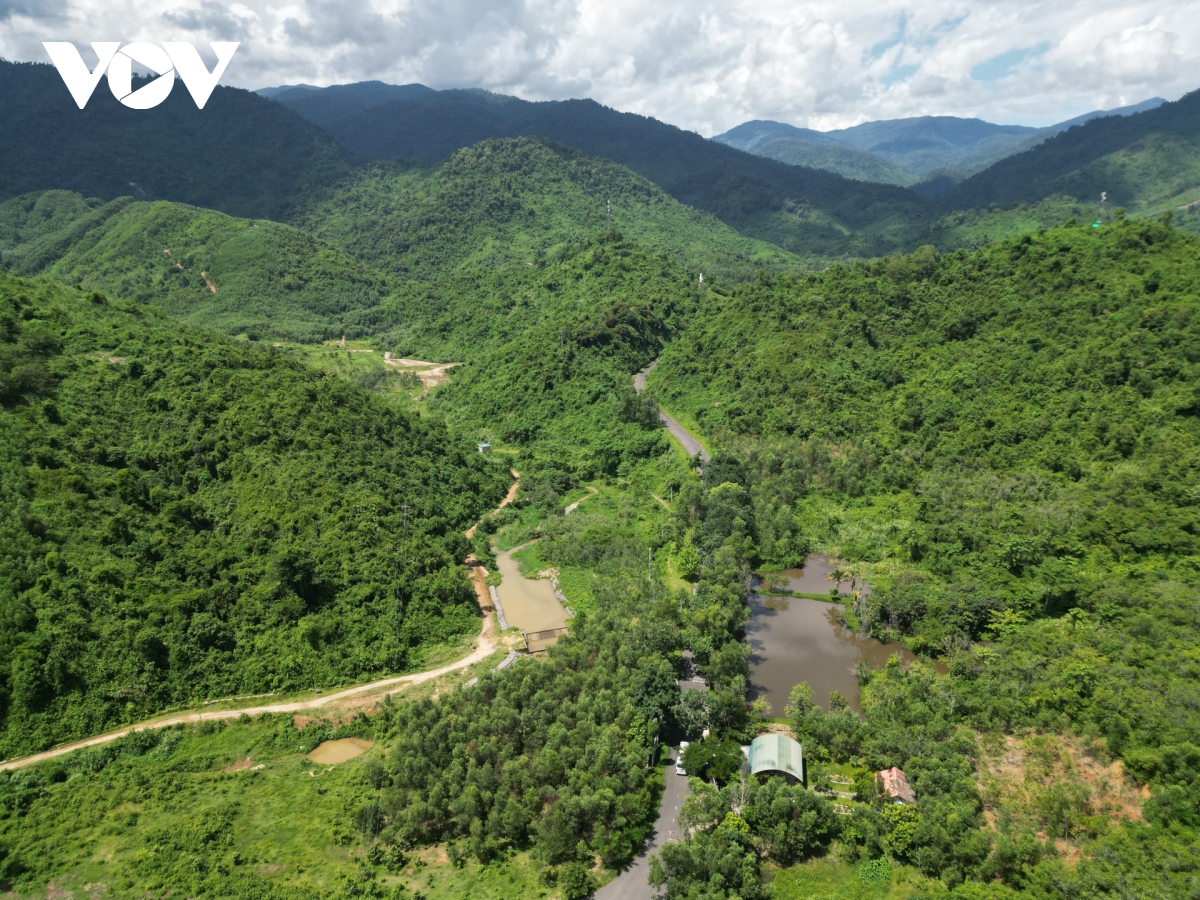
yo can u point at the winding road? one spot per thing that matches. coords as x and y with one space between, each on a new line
362 695
681 434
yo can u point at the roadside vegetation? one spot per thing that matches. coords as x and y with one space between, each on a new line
180 510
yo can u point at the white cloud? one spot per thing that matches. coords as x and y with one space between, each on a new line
702 64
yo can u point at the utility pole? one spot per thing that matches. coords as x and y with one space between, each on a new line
650 564
406 508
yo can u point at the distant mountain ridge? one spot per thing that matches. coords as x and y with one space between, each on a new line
241 154
921 147
1146 161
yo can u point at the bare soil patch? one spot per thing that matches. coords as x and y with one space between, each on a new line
330 753
1060 785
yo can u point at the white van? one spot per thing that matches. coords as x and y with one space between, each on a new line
683 745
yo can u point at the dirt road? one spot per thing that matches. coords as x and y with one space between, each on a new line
362 696
431 375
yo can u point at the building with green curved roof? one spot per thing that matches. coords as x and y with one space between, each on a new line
776 754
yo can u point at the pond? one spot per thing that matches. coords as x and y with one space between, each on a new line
529 603
794 639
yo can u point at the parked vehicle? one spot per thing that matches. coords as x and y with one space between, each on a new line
679 770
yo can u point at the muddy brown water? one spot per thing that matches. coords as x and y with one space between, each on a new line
814 578
794 639
529 603
331 753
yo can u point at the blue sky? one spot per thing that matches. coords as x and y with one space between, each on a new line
706 65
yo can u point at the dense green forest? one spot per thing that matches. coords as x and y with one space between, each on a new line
555 375
241 154
1004 444
801 210
505 201
845 161
184 512
202 267
1146 162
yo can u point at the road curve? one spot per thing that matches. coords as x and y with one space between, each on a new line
681 434
485 645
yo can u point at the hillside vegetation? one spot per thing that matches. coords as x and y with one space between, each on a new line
1006 445
205 268
845 161
1145 161
556 374
241 154
518 201
811 213
185 510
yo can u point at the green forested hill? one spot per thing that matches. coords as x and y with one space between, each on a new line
241 154
202 267
507 201
1006 445
1037 400
845 161
554 368
189 517
1146 161
807 212
446 247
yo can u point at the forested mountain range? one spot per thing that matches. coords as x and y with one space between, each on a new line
1004 442
801 210
408 251
241 154
170 504
1146 162
905 151
919 146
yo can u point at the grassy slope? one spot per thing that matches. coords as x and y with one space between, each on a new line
174 495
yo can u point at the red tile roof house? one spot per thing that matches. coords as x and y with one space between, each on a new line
896 786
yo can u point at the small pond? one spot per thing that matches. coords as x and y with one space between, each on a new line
796 639
529 603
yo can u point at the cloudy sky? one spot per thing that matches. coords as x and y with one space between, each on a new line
706 65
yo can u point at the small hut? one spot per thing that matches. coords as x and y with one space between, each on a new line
896 787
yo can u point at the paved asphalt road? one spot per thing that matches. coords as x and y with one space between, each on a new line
680 433
634 882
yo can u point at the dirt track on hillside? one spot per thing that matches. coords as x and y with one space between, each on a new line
364 695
